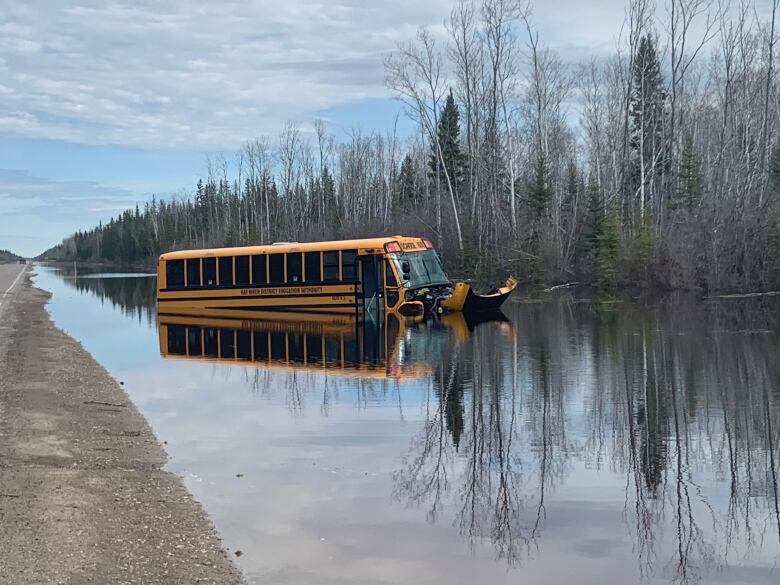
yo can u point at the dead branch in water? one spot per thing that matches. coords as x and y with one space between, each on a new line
557 286
772 293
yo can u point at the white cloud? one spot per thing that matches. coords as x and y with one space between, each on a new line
208 75
183 74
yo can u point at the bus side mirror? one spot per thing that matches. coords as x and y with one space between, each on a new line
406 269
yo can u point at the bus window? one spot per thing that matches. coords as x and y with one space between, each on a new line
193 341
176 339
278 346
294 267
227 343
313 272
389 275
260 339
296 347
313 348
348 258
174 273
276 268
333 350
243 345
226 271
242 269
210 271
351 352
259 275
193 272
210 342
331 264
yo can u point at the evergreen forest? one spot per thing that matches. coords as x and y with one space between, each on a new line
8 256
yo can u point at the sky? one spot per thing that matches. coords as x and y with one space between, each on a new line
104 103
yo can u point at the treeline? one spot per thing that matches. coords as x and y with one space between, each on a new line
8 256
656 166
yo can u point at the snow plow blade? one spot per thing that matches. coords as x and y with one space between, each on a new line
464 298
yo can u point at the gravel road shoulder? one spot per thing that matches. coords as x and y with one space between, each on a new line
83 497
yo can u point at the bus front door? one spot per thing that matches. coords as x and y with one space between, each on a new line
370 285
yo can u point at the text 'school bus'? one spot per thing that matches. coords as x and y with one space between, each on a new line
312 342
395 274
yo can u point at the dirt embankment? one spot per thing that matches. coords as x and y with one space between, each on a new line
83 498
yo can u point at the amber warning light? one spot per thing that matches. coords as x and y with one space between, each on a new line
428 244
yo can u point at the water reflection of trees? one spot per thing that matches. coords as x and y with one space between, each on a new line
691 403
677 398
134 296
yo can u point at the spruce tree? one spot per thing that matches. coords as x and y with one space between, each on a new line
573 186
448 133
609 251
407 191
646 111
594 220
691 183
332 215
539 193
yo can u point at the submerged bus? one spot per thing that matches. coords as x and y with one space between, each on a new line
397 274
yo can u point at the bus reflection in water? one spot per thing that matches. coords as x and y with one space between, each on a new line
342 344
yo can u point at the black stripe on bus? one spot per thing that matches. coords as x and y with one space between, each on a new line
237 297
262 286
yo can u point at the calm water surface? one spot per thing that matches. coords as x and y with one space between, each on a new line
574 443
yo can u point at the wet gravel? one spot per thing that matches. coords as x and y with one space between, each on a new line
83 496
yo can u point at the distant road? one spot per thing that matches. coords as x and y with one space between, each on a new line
10 275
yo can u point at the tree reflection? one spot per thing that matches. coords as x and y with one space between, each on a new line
132 295
676 398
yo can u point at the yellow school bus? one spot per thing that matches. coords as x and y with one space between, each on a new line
397 274
336 344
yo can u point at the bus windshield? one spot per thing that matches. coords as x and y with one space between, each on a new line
424 268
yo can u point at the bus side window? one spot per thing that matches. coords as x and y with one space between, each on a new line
260 343
295 345
276 268
333 350
313 348
209 271
294 267
210 342
174 273
259 275
177 340
226 271
352 351
242 270
348 258
243 344
193 341
389 275
278 346
331 265
313 272
193 272
227 343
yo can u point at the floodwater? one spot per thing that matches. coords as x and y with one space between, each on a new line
575 442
